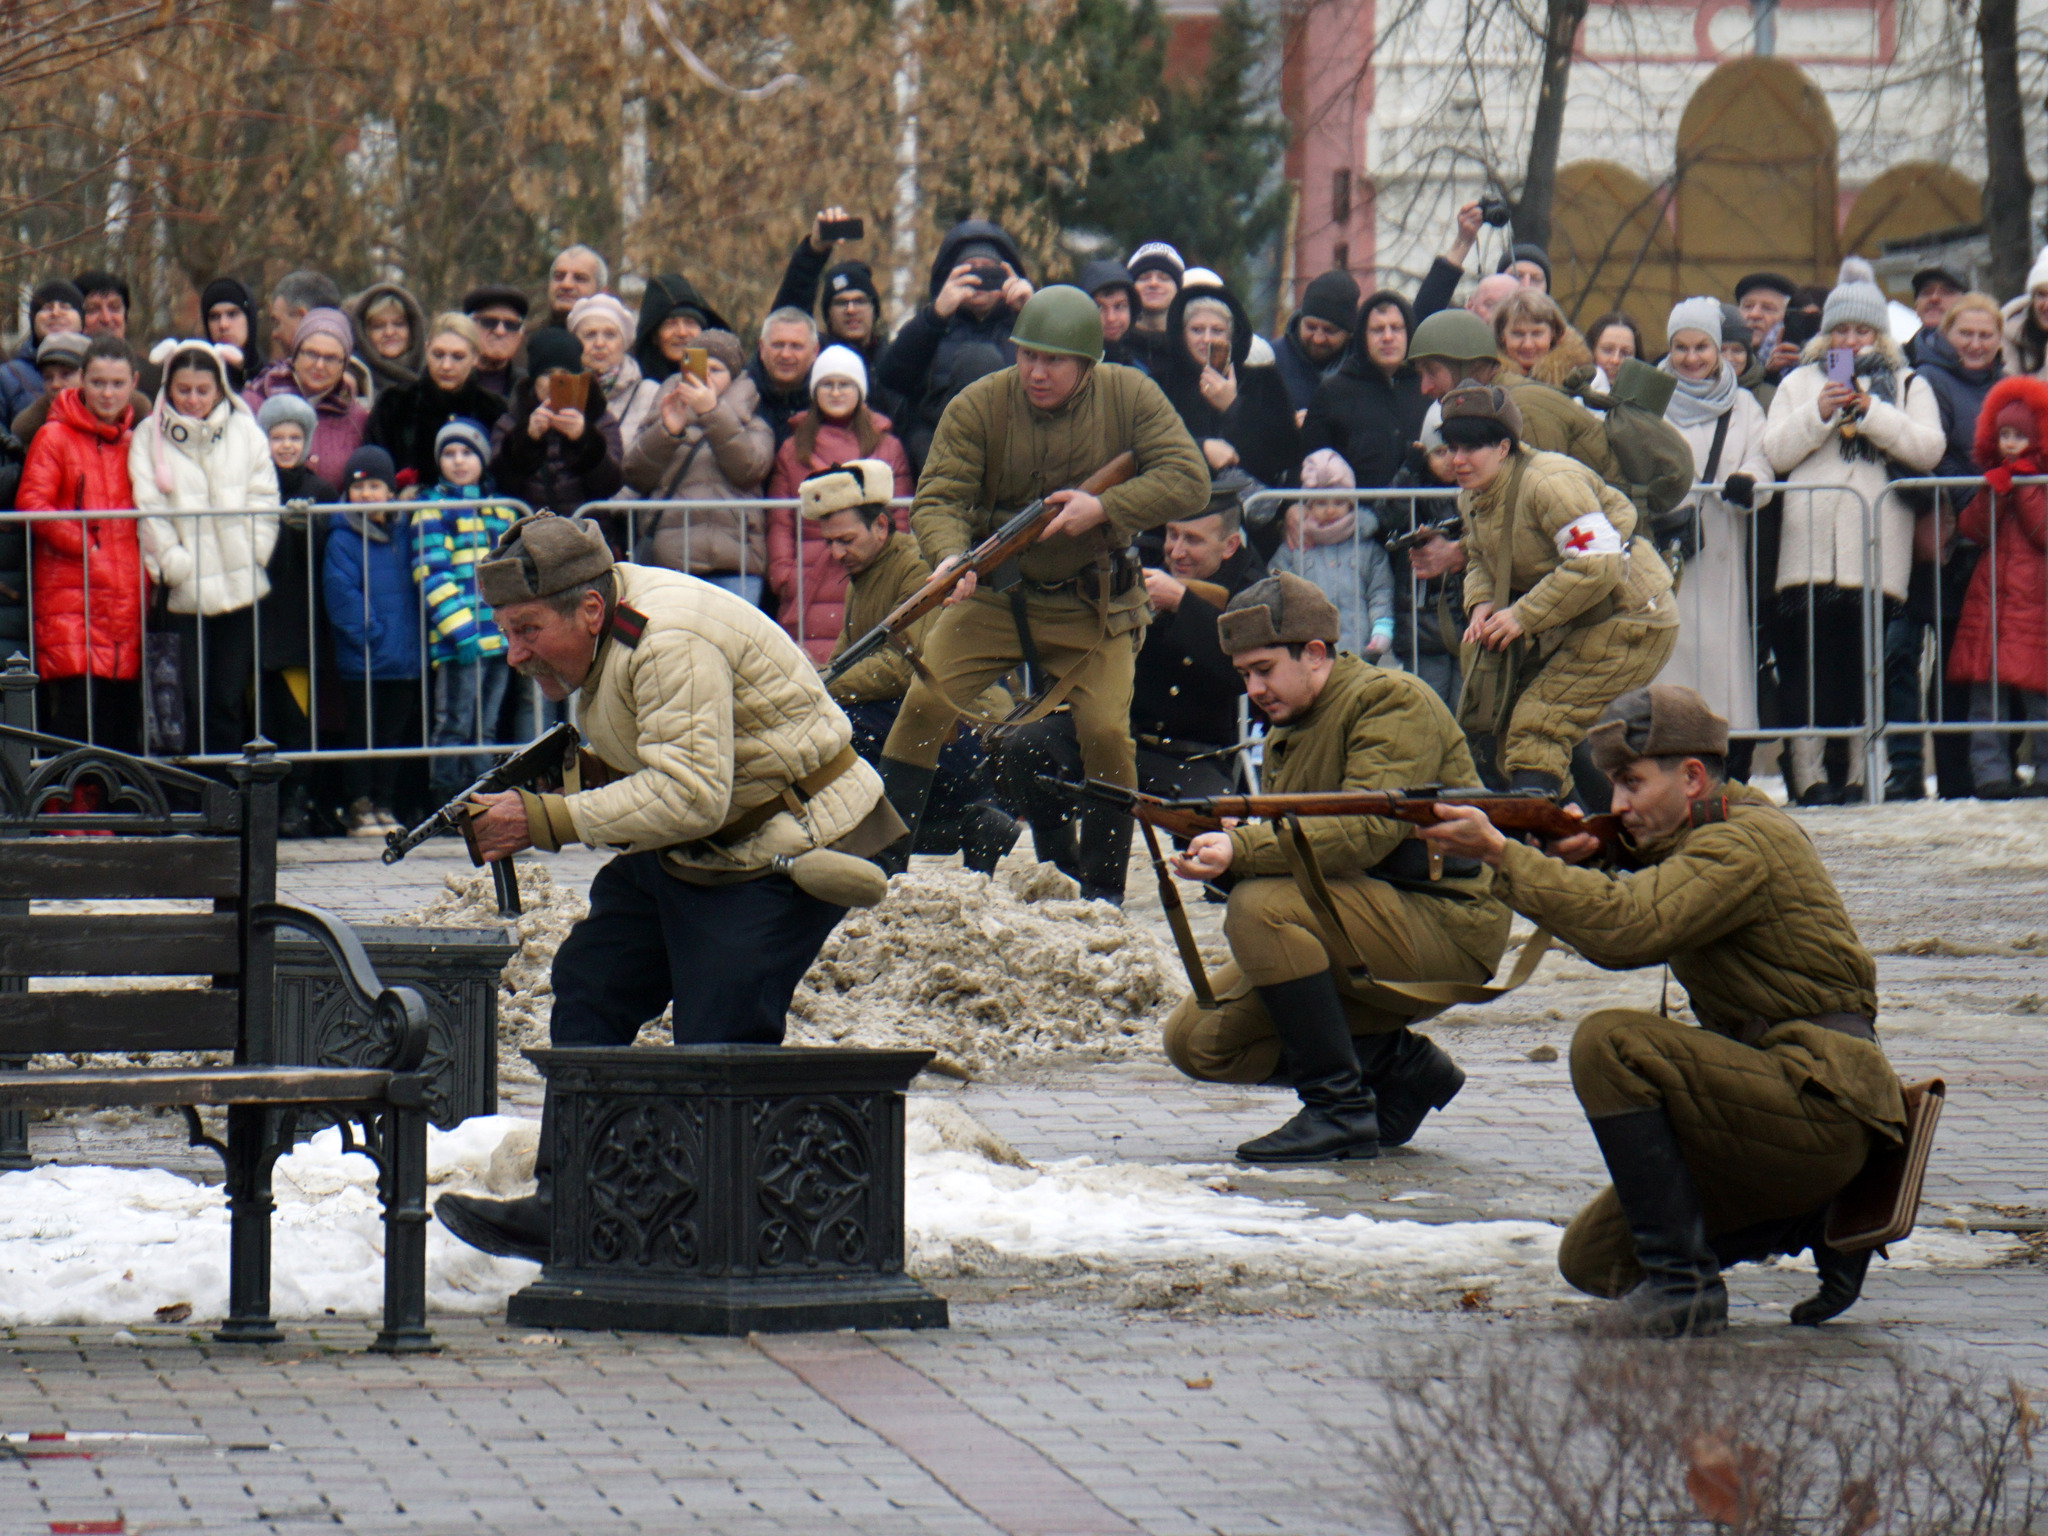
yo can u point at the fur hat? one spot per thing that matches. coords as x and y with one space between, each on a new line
1281 610
600 304
838 362
860 483
1662 720
1856 300
541 555
1487 402
2019 390
279 409
1696 314
461 429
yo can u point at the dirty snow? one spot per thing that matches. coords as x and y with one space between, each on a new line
85 1245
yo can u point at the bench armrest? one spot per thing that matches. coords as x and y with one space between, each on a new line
400 1010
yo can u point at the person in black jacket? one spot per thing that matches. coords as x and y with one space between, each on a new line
978 283
1109 284
1318 336
1238 415
405 419
1370 410
1184 699
852 305
557 459
673 314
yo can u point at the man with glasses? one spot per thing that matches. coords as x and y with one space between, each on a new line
500 312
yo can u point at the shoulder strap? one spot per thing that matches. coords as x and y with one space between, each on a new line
1504 550
1711 474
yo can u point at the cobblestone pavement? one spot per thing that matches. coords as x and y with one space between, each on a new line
1039 1414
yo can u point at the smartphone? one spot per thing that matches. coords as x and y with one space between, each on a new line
1219 356
843 229
1801 326
697 364
1842 366
567 391
989 279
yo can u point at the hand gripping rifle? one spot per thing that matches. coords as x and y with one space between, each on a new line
995 551
546 761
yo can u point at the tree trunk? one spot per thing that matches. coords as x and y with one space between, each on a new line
2008 188
1539 183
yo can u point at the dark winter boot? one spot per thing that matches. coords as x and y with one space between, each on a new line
907 787
1841 1283
1105 854
1681 1293
1409 1075
1338 1118
991 834
510 1229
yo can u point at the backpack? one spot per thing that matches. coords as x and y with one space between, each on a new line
1654 458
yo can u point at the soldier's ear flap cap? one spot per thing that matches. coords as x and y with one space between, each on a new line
540 555
1662 720
1281 610
859 483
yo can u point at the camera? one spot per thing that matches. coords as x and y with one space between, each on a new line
1495 211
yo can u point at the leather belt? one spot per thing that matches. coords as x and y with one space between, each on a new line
793 799
1855 1025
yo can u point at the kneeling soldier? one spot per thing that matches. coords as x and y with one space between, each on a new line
1339 724
1725 1142
727 769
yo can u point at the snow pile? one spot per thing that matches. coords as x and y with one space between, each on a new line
987 971
111 1246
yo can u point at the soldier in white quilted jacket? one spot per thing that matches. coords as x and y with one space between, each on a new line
723 759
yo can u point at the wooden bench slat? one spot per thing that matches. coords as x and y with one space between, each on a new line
197 1085
189 1020
107 868
123 944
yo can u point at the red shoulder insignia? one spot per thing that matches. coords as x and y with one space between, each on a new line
628 625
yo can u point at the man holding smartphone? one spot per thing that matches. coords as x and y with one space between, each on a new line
852 305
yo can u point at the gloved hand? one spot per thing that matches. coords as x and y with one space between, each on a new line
1999 478
1740 491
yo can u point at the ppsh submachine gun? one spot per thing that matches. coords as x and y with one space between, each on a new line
547 762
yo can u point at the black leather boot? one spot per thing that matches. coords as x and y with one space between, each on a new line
908 787
991 834
510 1229
1338 1118
1841 1283
1680 1294
1105 854
1409 1075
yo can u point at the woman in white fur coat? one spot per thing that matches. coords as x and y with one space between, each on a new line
1716 651
1859 434
201 450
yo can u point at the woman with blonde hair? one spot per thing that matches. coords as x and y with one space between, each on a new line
407 419
1537 341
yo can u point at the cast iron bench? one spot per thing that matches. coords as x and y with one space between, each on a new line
179 835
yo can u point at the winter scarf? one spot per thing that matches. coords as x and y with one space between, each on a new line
1882 383
1696 402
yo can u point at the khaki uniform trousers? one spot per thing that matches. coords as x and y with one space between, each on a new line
974 644
1761 1146
1274 938
1589 669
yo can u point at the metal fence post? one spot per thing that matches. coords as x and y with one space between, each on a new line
17 708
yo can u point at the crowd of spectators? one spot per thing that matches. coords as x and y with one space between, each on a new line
416 419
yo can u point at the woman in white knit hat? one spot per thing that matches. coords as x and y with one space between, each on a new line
837 429
605 328
1860 434
1716 651
2026 323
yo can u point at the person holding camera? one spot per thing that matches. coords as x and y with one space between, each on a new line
851 315
556 448
978 287
1440 282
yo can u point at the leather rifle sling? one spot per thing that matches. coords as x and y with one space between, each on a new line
1177 920
1433 997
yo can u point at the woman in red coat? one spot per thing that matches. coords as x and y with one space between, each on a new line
2001 647
837 429
92 568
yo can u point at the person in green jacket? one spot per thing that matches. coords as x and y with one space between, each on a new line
1073 607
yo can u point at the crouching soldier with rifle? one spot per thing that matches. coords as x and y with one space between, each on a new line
1071 607
1333 922
1727 1141
730 788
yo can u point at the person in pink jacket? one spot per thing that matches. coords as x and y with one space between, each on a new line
837 429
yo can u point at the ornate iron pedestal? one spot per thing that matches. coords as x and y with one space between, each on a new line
727 1189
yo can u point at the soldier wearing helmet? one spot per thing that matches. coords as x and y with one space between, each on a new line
1072 608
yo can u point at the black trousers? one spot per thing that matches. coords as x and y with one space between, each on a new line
389 717
962 784
116 715
728 957
1050 747
222 724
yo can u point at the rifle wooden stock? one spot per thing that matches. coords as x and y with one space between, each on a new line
1016 535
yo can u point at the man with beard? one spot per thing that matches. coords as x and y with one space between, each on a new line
726 772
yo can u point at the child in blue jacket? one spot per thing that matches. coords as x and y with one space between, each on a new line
375 610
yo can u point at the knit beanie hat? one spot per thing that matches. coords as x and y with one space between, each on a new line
1733 326
66 347
1333 299
331 323
550 348
56 291
1696 314
1156 256
2038 276
851 277
1201 277
460 429
368 462
1534 253
292 408
227 290
1856 300
1432 435
837 362
1325 468
726 347
600 304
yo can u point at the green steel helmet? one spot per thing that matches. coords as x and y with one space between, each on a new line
1060 319
1456 335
